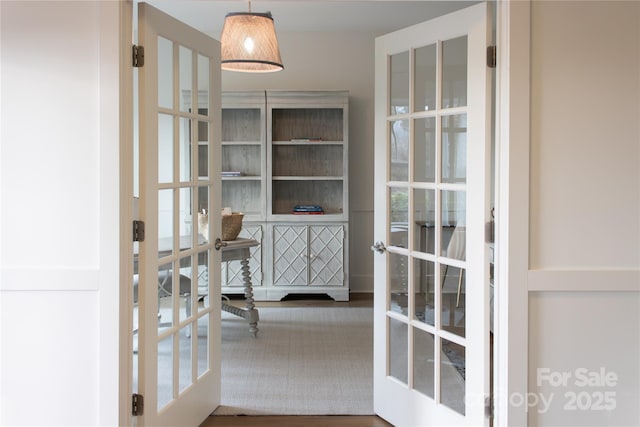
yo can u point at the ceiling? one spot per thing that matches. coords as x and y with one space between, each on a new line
375 16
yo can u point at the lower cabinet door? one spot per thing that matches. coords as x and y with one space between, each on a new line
308 255
290 259
326 255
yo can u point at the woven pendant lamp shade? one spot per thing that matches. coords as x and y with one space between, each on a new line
249 43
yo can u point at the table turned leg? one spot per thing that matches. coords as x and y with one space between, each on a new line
253 316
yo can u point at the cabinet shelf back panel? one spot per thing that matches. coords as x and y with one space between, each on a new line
243 196
295 123
241 124
242 158
309 160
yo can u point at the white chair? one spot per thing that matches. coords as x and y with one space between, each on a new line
164 289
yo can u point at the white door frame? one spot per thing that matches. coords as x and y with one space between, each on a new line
126 213
512 198
512 211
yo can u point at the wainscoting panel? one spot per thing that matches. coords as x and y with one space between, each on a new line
584 350
584 280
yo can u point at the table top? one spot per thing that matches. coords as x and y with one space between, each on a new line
239 243
237 249
165 244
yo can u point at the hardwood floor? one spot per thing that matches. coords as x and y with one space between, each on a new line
296 421
355 300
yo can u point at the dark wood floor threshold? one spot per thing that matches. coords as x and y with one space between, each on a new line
295 421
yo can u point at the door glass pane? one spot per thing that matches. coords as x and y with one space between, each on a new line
203 214
203 160
454 72
203 279
453 220
185 377
185 288
399 80
186 78
454 148
203 85
165 73
185 150
184 224
165 290
398 283
399 150
423 362
425 285
452 376
165 222
203 150
424 156
425 78
165 371
202 334
452 279
399 218
134 293
165 148
424 207
453 299
398 343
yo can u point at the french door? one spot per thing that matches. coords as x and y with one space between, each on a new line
178 274
432 155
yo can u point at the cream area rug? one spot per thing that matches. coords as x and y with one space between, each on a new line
304 361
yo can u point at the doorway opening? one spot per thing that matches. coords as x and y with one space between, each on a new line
135 180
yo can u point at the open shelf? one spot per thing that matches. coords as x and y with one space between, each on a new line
327 194
310 160
297 123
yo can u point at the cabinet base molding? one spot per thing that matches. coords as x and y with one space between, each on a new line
281 293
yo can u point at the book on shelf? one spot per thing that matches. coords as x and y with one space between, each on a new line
307 213
307 209
232 173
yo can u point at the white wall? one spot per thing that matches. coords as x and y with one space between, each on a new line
58 250
335 61
59 213
584 262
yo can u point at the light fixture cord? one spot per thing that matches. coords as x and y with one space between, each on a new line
249 6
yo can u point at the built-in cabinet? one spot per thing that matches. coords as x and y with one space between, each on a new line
285 165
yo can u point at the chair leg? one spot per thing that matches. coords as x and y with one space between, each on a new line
444 275
187 309
459 287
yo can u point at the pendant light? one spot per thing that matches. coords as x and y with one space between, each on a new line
249 43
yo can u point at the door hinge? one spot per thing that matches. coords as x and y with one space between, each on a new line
137 405
489 232
488 407
138 231
492 59
138 56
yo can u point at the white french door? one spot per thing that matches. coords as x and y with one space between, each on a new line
432 157
178 369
